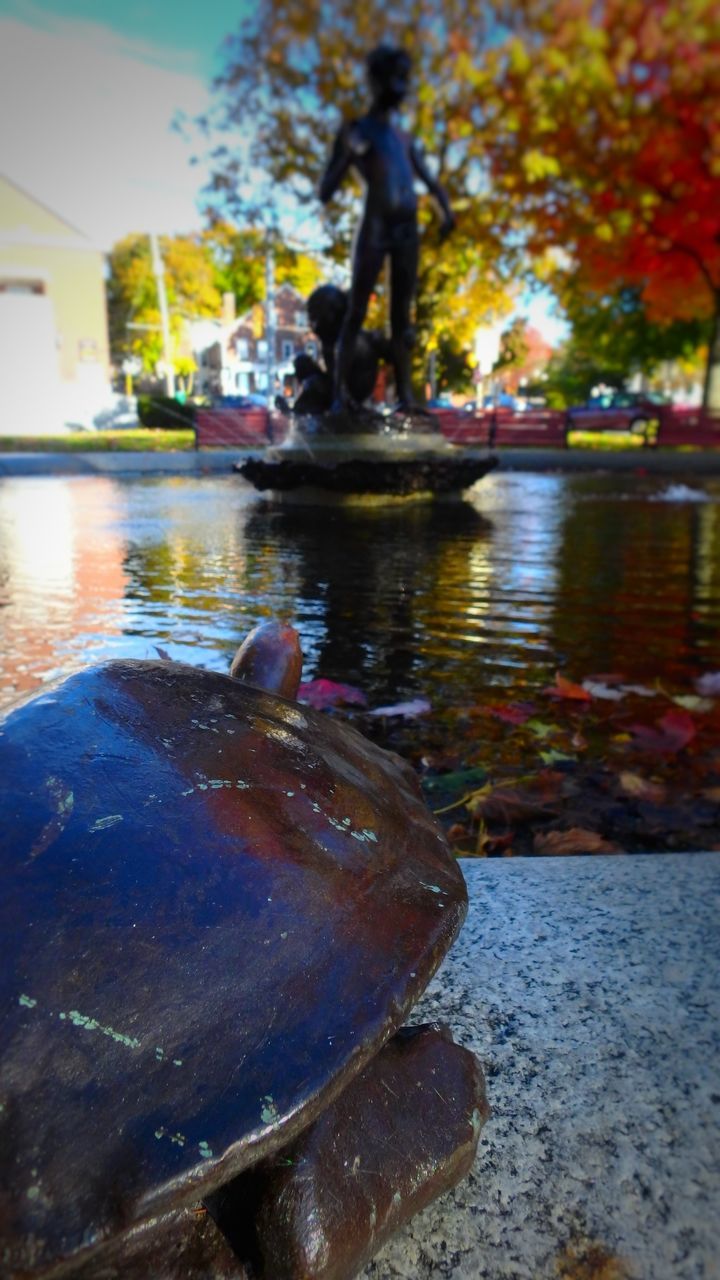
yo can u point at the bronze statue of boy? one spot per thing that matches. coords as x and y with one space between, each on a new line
389 161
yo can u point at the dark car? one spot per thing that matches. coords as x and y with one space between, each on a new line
617 411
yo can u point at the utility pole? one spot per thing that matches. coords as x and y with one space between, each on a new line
432 373
270 319
159 273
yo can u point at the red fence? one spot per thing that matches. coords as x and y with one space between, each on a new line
233 428
500 427
688 426
503 427
492 428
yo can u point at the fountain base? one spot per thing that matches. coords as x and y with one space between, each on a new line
316 464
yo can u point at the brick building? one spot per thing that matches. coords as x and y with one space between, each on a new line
232 355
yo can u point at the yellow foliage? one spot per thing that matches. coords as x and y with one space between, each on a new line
520 60
538 165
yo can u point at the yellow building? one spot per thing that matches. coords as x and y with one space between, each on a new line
54 354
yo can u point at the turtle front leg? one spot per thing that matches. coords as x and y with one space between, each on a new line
403 1131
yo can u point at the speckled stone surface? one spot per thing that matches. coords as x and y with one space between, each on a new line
589 989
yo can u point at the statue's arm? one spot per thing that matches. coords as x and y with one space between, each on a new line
341 158
433 186
328 350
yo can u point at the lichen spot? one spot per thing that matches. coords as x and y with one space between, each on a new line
101 824
268 1111
205 1150
27 1002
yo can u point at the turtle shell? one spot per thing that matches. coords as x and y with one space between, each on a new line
217 906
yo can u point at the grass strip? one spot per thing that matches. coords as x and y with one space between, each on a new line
142 440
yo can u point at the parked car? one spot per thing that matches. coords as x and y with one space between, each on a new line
250 401
617 411
501 400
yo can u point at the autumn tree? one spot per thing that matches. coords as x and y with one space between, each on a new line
192 290
600 123
199 269
524 355
239 259
611 338
293 70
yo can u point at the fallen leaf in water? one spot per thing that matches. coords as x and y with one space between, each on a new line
418 707
674 730
564 688
500 845
457 831
709 684
574 840
473 801
322 693
640 689
513 713
459 780
692 702
599 690
503 804
551 756
541 729
641 788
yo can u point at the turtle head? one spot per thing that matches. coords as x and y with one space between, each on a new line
270 658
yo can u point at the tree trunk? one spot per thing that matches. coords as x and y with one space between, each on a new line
711 392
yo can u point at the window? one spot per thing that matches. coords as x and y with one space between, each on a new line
241 348
312 349
22 286
288 350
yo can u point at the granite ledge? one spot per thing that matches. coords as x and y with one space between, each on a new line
589 989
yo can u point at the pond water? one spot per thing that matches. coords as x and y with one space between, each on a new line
479 600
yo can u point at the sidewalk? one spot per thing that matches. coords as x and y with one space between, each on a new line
588 988
650 461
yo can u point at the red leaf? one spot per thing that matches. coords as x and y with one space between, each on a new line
575 840
507 805
322 693
566 689
513 713
674 730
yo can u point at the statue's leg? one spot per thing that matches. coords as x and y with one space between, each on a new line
403 278
367 265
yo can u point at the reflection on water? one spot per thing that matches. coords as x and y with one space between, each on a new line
590 574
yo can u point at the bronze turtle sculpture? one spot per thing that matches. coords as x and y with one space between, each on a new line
218 908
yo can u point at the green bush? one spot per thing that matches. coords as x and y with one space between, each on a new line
164 412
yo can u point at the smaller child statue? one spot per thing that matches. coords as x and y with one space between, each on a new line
388 161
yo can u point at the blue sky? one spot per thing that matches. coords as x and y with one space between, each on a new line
88 93
182 37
